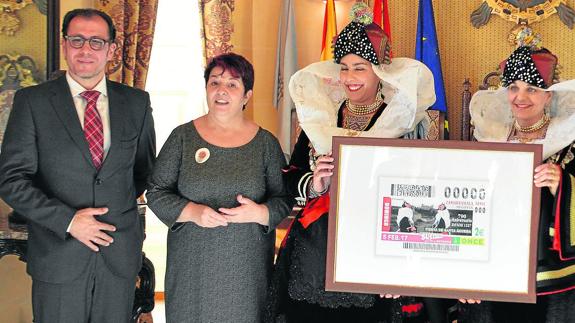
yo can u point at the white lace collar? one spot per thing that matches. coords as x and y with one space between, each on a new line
317 94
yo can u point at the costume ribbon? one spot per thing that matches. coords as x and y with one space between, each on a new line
412 308
314 209
557 225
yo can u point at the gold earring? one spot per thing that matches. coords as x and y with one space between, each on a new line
380 90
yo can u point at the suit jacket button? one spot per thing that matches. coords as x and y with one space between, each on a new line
98 181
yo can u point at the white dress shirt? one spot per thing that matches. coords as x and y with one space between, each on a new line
102 106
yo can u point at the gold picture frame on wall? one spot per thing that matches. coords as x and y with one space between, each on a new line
29 51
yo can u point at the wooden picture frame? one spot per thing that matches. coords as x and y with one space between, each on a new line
481 195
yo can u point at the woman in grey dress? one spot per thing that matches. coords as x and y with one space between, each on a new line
217 185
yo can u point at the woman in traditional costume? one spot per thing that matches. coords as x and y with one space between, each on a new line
361 93
405 218
442 217
532 107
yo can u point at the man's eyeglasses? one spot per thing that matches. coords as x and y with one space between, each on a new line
94 42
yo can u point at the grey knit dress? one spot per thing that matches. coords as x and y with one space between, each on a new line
217 274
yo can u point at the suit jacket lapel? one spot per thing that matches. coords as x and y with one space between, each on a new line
115 103
63 104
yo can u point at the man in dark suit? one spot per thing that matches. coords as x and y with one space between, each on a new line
76 154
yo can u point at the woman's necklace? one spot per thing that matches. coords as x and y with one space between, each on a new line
534 127
530 133
363 109
358 117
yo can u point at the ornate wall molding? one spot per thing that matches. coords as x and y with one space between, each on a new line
523 11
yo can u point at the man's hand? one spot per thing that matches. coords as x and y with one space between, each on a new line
86 229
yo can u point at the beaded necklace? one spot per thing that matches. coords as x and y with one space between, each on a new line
359 120
363 109
534 127
528 134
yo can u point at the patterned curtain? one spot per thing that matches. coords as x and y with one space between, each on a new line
218 28
135 21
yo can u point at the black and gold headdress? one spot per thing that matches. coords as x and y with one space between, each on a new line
363 38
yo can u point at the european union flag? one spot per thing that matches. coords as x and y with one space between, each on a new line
427 51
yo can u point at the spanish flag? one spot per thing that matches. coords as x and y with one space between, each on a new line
329 31
381 17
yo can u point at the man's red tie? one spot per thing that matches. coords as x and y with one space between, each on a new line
93 129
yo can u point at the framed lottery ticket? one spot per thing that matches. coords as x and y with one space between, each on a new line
445 219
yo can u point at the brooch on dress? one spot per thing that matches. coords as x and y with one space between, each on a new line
202 155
